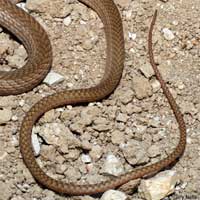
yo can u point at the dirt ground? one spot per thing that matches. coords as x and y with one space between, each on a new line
75 142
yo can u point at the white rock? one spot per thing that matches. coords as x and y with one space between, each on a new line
86 158
53 78
147 70
113 195
112 165
5 115
22 5
21 102
160 186
14 118
168 34
36 144
67 21
132 36
155 85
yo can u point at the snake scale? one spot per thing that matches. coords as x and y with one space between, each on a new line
38 47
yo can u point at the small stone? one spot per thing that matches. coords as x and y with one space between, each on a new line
22 102
18 59
127 96
49 116
72 173
168 34
14 118
67 20
147 70
86 158
36 144
160 186
22 5
96 152
53 78
5 115
89 43
59 135
155 85
122 117
135 152
113 195
154 122
117 137
132 36
188 108
86 145
101 124
175 22
112 165
142 87
153 151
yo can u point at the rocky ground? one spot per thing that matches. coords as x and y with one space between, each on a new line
133 127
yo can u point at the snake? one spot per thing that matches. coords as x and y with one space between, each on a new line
39 50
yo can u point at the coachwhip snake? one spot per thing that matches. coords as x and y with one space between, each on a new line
38 47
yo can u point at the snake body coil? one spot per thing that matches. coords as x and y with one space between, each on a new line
38 47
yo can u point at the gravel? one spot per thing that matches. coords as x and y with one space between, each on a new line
134 126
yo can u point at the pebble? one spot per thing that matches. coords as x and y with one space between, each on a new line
117 137
168 34
101 124
18 59
59 135
147 70
53 78
49 116
112 165
155 84
127 96
113 195
67 20
132 36
86 158
72 173
96 152
188 108
153 151
22 102
160 186
142 87
122 117
135 152
36 144
5 115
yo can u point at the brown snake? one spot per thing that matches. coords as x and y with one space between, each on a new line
38 47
